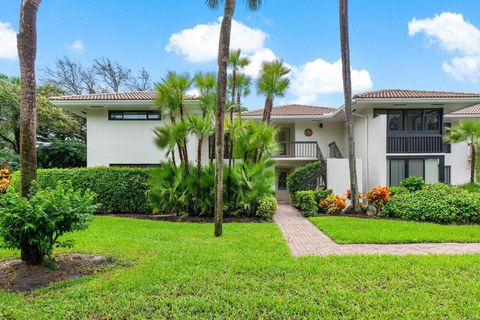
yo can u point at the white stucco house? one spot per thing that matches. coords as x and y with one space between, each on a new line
398 133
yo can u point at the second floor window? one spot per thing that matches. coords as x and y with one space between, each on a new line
414 120
134 115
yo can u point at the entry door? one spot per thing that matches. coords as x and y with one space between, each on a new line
281 175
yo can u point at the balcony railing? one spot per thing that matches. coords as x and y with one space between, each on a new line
415 144
299 149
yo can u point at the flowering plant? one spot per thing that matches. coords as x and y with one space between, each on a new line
333 204
5 176
379 196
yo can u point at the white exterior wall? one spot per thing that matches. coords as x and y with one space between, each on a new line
330 132
458 159
376 161
338 175
128 141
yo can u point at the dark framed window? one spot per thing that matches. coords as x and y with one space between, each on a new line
431 169
134 115
448 174
412 120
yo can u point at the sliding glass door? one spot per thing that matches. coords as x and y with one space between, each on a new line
428 168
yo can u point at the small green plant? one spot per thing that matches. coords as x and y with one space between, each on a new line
398 190
413 183
35 225
306 203
267 207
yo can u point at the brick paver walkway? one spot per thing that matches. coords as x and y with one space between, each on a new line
303 238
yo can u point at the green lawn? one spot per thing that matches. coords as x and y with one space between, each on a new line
359 230
178 270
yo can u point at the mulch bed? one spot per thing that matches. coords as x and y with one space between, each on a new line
193 219
15 275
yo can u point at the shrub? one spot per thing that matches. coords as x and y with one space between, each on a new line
172 192
5 176
63 154
333 204
118 190
306 203
398 190
471 187
267 207
378 196
437 203
299 175
413 183
34 225
321 194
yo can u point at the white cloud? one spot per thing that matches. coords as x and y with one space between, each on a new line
318 77
8 41
200 43
256 59
76 46
453 34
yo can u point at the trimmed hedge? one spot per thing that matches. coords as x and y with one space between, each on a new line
299 175
436 203
118 190
308 201
267 207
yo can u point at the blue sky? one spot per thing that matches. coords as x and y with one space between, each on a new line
439 51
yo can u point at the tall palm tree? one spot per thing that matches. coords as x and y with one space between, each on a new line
27 51
347 93
166 140
467 131
206 84
223 53
170 94
236 62
273 82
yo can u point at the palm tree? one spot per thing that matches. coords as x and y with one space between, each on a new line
27 51
223 53
170 94
201 128
236 62
206 84
347 93
467 131
272 83
165 139
243 90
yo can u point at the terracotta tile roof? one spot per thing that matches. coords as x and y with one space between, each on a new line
468 111
398 93
292 110
135 95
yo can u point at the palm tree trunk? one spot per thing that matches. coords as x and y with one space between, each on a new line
267 110
347 92
238 106
473 161
27 51
223 52
199 155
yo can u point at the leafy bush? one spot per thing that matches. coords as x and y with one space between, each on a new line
378 196
333 204
34 225
398 190
173 192
267 207
437 203
471 187
306 203
413 183
321 194
63 154
118 190
299 175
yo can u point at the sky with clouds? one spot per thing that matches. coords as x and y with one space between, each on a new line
407 44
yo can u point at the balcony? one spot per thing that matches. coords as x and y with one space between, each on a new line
416 144
299 150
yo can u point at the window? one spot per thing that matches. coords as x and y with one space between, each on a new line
395 120
412 120
448 174
426 168
134 115
282 180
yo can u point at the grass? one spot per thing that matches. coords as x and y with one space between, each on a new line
360 230
180 271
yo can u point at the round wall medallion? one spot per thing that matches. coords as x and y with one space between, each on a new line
308 132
